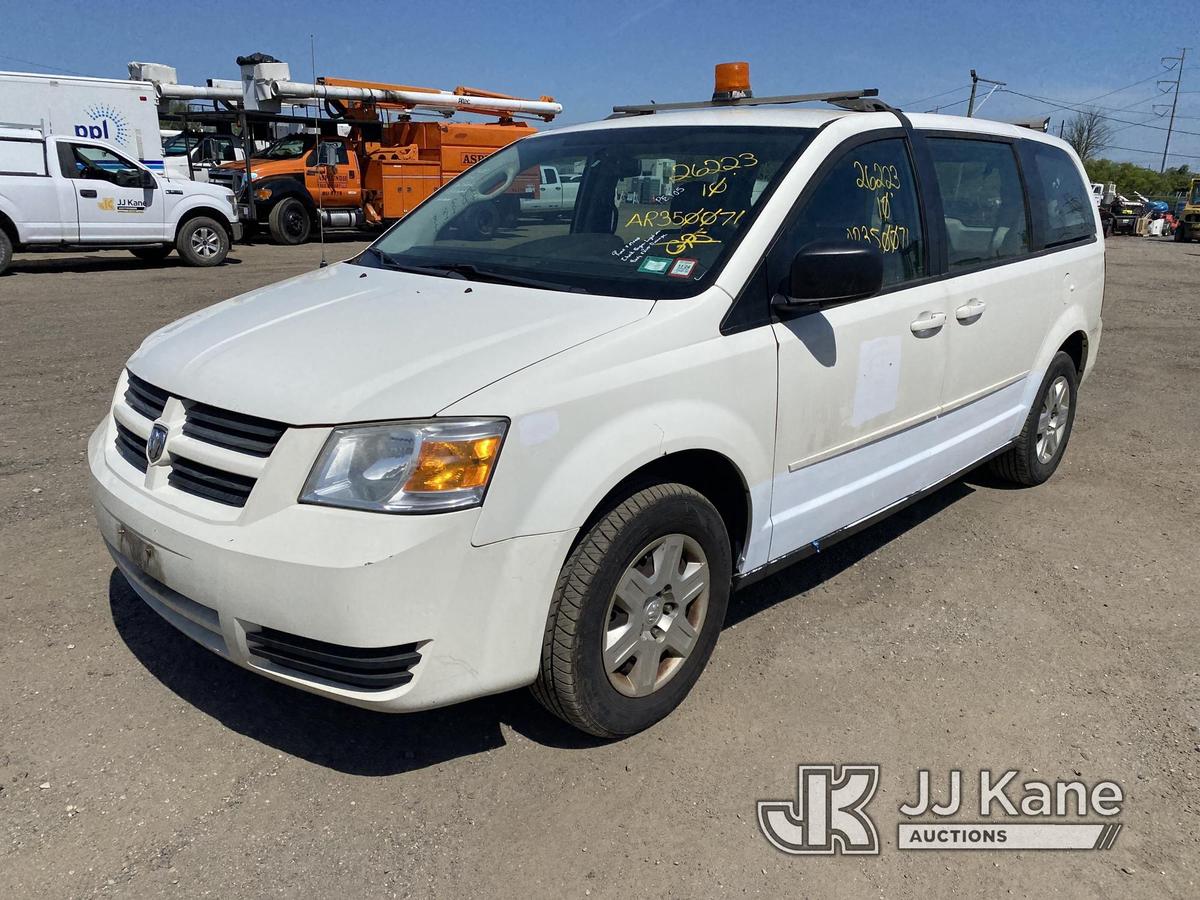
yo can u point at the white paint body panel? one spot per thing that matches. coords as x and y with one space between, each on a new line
829 420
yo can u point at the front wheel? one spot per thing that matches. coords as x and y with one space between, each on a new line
637 610
290 222
1039 447
6 251
203 242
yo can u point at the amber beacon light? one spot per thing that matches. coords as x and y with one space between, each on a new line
732 81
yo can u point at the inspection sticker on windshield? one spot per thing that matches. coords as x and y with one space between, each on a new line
683 268
654 265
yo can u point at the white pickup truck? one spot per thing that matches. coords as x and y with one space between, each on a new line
554 195
63 193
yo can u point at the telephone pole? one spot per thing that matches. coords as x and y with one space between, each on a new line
975 79
1174 103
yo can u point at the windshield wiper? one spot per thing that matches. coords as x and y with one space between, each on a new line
474 273
468 272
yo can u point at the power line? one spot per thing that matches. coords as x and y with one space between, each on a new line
30 62
1128 86
1077 108
935 96
1154 152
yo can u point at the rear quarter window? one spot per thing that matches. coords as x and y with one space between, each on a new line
22 157
1066 214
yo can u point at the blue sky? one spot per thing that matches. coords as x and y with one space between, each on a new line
592 55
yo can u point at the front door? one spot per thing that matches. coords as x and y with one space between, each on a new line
859 384
333 185
113 204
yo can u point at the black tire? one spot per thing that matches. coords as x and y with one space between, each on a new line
480 222
290 222
574 682
152 254
6 251
1022 464
1181 233
202 242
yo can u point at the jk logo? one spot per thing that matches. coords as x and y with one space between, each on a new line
827 816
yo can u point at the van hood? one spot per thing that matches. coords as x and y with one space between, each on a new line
355 344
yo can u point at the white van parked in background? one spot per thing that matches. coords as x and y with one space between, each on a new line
64 193
448 468
115 111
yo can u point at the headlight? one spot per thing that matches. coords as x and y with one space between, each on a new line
426 465
254 176
263 193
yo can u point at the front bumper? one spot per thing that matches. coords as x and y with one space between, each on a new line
476 615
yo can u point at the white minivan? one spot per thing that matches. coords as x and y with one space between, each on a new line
450 467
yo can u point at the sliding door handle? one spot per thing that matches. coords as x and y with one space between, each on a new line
928 323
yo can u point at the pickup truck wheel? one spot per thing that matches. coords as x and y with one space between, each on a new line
480 222
152 254
290 222
1040 446
1181 233
202 242
637 610
6 251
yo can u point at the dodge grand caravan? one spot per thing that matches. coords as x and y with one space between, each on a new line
450 467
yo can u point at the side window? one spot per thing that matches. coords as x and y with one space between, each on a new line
22 157
868 195
550 174
1067 215
101 165
982 199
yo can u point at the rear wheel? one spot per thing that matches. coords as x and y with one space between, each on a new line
636 613
290 222
152 254
1182 233
202 242
1040 446
6 250
480 222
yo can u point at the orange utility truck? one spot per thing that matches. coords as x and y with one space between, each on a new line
373 162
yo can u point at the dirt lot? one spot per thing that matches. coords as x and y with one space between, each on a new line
1052 630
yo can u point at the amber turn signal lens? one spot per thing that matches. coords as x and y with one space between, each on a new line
453 465
732 80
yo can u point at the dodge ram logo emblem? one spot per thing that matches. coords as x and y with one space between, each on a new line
156 443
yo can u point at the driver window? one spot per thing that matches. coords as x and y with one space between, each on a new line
101 165
868 195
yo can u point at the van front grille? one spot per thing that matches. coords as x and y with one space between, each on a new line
232 432
375 668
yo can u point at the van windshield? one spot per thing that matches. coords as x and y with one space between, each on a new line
633 212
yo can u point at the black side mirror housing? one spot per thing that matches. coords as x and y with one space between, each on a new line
148 181
830 273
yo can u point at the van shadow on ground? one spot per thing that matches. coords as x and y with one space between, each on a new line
359 742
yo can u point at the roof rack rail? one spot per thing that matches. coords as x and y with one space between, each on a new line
859 101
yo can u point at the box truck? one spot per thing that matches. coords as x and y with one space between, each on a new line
115 111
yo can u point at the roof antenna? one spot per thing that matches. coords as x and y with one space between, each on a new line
321 168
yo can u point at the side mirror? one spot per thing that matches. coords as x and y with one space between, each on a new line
830 273
148 181
327 155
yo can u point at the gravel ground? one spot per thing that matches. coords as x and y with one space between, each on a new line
1051 630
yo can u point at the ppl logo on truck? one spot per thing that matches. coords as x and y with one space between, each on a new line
107 124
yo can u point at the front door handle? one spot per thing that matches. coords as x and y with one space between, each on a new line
86 192
970 311
928 323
